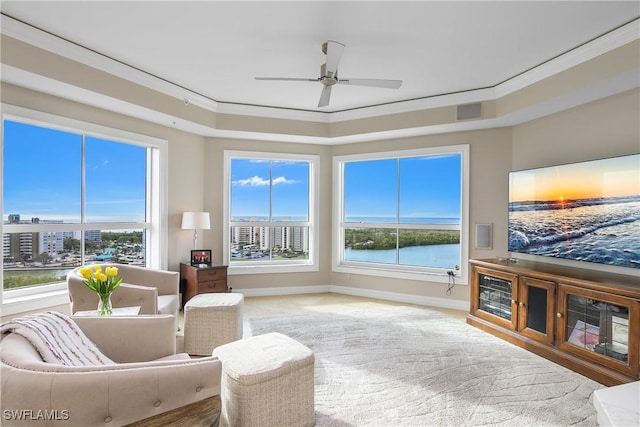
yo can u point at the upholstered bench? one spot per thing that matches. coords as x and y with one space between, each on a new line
267 380
211 320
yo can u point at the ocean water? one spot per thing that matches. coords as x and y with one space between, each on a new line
603 230
438 256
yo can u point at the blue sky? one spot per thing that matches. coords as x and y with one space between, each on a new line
429 188
47 184
250 189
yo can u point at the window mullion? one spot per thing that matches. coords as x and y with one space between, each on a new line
83 195
271 230
398 211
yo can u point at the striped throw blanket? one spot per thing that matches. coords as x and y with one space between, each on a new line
57 338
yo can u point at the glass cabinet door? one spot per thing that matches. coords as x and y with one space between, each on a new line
496 294
599 326
536 309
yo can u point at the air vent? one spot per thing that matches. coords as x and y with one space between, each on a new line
469 111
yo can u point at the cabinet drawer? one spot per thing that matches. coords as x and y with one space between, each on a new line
214 286
210 274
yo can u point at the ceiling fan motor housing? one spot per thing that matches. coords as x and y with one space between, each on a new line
327 79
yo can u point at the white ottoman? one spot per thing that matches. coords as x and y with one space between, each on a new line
211 320
618 405
267 380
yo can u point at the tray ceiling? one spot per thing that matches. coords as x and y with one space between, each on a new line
215 49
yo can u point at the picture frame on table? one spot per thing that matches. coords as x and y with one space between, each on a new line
201 258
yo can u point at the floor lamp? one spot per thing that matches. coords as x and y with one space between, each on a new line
195 221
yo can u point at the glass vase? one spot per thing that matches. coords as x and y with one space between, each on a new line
104 305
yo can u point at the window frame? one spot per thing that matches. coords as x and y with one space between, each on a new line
156 252
312 264
340 265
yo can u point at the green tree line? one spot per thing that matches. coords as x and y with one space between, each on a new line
11 281
382 238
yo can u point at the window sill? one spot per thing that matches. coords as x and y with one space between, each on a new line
398 274
21 304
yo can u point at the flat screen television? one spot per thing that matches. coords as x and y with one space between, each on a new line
587 211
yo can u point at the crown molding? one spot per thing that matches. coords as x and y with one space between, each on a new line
59 89
592 49
57 45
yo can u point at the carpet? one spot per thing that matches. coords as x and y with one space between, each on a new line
411 366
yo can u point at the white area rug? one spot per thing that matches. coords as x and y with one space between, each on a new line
411 366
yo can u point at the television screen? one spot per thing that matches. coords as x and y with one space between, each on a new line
588 211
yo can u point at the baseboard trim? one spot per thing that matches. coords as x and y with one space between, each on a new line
286 290
365 293
405 298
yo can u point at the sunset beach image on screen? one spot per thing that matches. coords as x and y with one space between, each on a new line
587 211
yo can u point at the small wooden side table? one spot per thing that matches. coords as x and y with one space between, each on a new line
202 280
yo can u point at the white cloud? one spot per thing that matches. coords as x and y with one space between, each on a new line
254 181
282 180
257 181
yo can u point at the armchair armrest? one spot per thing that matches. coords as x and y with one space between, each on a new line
115 396
167 282
131 338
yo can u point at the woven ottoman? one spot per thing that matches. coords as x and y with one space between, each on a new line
211 320
267 381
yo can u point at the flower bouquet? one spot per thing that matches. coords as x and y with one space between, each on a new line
102 283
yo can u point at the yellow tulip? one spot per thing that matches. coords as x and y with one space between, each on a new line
85 272
97 268
101 277
111 271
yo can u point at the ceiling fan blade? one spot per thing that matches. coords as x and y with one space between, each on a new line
287 79
391 84
325 96
334 53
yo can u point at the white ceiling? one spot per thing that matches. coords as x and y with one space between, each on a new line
216 48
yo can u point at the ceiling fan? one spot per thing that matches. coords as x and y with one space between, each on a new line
329 74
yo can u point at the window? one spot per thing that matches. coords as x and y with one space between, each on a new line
270 212
74 193
402 214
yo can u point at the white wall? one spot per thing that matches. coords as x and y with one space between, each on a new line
608 127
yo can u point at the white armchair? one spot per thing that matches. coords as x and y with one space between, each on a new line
148 384
155 291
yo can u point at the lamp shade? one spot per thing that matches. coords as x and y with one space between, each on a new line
195 221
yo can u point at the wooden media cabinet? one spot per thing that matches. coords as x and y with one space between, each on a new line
585 320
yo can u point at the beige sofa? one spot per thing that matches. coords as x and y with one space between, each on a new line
149 383
154 291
